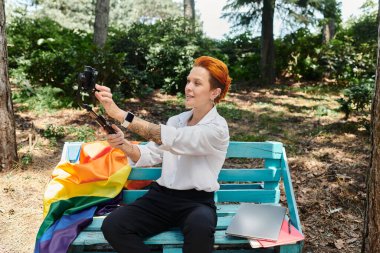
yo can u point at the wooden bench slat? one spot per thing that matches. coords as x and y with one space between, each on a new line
241 195
226 174
236 149
225 214
138 173
262 150
223 223
241 186
252 175
167 237
256 195
231 209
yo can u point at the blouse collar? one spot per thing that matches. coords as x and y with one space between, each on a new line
184 117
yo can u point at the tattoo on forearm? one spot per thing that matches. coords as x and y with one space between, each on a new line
131 149
147 130
132 152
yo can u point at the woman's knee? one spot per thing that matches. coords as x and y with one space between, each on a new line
201 222
198 230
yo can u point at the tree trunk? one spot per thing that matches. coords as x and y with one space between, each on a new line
102 11
371 236
267 44
189 12
328 31
189 9
8 145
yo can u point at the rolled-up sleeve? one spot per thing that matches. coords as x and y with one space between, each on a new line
194 140
151 155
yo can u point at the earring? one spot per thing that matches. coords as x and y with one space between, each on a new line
212 101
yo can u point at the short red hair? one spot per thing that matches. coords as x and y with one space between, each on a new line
218 72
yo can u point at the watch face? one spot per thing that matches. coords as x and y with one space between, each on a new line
129 117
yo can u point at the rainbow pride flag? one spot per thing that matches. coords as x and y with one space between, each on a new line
76 191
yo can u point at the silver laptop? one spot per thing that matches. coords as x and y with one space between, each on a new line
257 221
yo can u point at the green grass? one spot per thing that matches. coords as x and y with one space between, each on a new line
264 104
319 89
26 159
173 107
53 132
80 133
271 123
41 100
248 137
322 110
70 133
230 111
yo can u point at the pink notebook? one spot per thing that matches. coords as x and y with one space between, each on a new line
284 238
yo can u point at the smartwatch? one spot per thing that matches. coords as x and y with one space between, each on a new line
128 119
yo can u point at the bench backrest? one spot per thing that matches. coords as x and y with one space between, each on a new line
249 184
260 185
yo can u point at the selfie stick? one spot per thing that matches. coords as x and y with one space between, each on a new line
101 121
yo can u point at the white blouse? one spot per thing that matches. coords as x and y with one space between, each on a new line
191 156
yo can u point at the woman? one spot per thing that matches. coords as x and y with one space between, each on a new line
192 147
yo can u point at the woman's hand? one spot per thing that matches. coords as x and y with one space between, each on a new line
104 96
116 140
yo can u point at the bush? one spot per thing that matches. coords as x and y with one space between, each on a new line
132 63
362 30
342 61
41 99
45 50
54 132
51 55
80 133
357 97
158 55
242 55
297 56
302 56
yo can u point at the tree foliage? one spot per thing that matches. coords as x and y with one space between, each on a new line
158 55
80 14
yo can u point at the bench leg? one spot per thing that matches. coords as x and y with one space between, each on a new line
293 248
172 249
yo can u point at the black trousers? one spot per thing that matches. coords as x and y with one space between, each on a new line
160 209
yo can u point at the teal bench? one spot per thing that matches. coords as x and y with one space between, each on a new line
256 184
